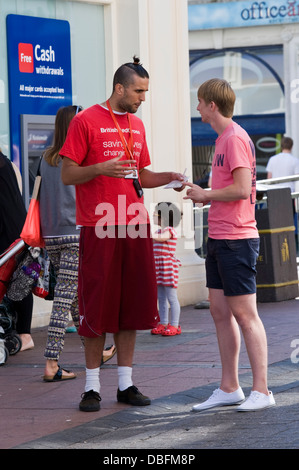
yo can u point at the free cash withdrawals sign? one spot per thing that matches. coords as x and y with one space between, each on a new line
39 70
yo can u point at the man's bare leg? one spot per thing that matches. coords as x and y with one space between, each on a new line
230 314
93 351
245 311
125 344
228 335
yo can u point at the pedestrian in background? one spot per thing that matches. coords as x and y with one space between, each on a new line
283 164
12 217
58 224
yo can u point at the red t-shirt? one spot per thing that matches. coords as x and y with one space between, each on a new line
93 138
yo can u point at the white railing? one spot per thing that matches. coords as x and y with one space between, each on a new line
261 186
264 185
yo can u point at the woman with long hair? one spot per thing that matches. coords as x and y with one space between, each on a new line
58 223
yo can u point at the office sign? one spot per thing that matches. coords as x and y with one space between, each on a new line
39 70
240 14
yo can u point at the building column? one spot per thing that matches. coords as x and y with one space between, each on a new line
291 81
164 51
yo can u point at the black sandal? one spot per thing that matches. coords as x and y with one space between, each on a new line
58 377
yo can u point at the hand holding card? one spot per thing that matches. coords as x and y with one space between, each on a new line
175 184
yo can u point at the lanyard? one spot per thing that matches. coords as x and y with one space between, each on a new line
128 146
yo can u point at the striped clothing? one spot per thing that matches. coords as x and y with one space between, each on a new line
167 265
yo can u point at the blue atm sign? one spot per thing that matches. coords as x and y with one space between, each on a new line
39 69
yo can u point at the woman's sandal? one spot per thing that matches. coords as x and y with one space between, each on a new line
172 331
58 377
108 353
158 330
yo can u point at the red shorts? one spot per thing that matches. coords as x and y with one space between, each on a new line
116 284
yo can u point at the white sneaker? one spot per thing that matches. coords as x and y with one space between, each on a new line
257 401
220 398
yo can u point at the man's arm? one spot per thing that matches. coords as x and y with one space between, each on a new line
72 173
239 189
150 179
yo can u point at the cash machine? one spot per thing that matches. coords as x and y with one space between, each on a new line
37 133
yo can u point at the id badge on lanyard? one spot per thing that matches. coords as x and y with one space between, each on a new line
129 149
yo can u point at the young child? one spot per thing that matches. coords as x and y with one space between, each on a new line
167 216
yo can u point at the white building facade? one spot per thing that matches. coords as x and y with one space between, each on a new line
254 45
102 35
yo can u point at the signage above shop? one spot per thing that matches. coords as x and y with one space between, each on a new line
244 13
39 70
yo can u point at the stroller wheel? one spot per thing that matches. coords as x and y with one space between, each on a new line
13 343
3 355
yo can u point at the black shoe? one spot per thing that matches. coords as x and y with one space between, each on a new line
90 401
132 396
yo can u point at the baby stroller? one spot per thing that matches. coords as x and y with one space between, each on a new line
8 334
10 342
4 353
8 263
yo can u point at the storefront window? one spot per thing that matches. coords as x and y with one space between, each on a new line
87 51
256 76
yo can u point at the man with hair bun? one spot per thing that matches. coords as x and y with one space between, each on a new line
106 157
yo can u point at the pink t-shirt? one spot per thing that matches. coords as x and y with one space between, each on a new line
235 219
93 138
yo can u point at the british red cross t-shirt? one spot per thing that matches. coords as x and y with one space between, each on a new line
93 138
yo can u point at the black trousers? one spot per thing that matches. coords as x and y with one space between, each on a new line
24 310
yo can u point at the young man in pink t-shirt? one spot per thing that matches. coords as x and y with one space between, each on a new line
105 156
232 251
